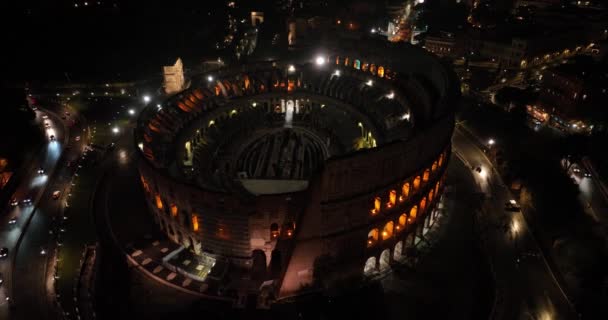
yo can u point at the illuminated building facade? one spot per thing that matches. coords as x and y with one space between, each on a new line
337 152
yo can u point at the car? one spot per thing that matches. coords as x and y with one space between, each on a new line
3 252
512 205
67 113
52 137
1 278
26 201
587 175
47 125
45 117
14 202
576 170
40 170
56 194
77 138
12 221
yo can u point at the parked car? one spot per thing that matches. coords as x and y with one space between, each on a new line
512 205
14 202
56 194
3 252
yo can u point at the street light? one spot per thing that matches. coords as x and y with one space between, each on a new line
491 142
115 130
146 98
291 68
209 78
320 60
131 111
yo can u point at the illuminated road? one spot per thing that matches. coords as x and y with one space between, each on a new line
32 186
526 287
32 274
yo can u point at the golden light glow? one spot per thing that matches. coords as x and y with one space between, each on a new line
392 197
173 210
413 212
426 175
387 232
402 220
405 190
417 183
377 204
159 202
422 204
194 222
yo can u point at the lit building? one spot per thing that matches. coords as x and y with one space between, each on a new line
335 151
173 77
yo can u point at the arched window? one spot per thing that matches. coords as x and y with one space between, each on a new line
405 190
431 194
437 188
370 266
392 198
441 160
426 175
372 237
387 232
388 74
372 69
377 205
338 60
195 222
402 221
434 167
380 71
357 64
274 231
416 183
364 66
385 258
413 213
346 61
159 202
173 210
422 204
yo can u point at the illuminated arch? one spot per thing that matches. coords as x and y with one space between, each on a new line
372 69
364 66
338 60
274 231
372 237
346 61
173 209
381 72
426 175
387 231
159 202
357 64
441 160
392 198
437 188
195 222
431 195
377 205
413 213
422 204
434 166
416 184
402 222
405 190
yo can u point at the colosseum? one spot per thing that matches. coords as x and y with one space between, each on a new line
335 153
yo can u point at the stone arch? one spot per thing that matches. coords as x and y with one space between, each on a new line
385 260
370 266
387 231
398 251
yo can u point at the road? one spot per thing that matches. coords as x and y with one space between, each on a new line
526 286
593 198
32 186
